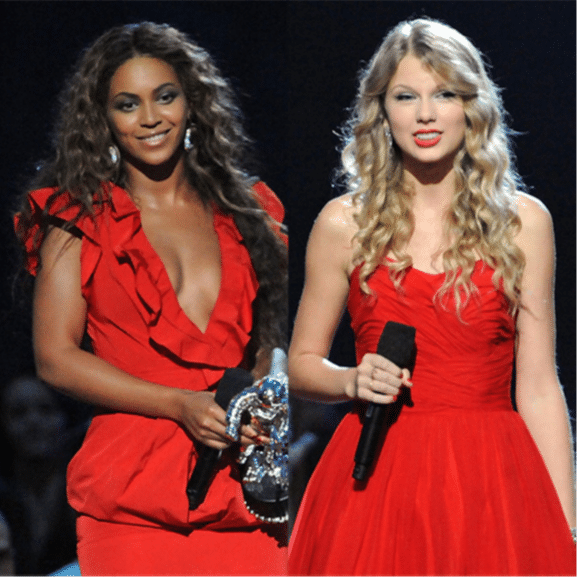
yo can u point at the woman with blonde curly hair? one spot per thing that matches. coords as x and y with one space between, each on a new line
145 231
435 233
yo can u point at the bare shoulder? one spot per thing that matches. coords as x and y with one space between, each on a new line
331 239
536 232
336 219
533 213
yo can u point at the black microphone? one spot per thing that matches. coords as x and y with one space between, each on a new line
231 384
396 344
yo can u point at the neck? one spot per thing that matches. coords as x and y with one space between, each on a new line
433 184
153 186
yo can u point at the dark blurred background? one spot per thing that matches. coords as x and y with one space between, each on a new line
294 65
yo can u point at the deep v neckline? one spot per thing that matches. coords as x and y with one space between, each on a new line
166 278
173 293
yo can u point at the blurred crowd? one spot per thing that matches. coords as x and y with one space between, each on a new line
40 430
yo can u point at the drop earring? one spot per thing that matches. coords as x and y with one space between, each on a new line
188 145
389 137
114 154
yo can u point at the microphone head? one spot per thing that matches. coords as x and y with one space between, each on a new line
397 343
231 384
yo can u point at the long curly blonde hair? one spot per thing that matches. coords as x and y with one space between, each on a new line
482 217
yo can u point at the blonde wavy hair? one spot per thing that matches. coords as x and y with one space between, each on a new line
482 217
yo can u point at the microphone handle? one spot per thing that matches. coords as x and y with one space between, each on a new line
232 383
375 417
396 343
199 482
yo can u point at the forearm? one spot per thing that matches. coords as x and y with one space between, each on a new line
92 380
547 420
315 378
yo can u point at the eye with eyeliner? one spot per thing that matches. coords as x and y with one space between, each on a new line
404 96
130 104
168 96
125 105
407 96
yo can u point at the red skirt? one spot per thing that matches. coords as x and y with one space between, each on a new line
456 492
106 548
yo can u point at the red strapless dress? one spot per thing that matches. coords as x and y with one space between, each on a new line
459 487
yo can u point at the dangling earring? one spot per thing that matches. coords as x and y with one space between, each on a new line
114 154
389 138
188 145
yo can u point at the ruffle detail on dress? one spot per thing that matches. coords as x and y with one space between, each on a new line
64 209
271 205
169 328
119 231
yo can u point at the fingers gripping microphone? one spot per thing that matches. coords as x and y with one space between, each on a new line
232 382
396 344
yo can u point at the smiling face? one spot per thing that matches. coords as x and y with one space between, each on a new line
147 111
425 117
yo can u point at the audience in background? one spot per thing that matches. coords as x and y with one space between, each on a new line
40 439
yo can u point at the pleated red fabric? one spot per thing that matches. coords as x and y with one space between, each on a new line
131 472
459 486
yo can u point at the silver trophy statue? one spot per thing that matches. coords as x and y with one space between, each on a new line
264 468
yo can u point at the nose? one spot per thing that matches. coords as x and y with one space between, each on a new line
427 111
149 115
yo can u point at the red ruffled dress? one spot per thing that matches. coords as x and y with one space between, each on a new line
459 487
128 480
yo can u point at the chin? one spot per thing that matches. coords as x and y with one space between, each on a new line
153 160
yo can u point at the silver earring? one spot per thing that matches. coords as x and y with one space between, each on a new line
389 137
188 145
114 154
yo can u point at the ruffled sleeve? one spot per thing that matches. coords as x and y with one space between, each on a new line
272 205
44 209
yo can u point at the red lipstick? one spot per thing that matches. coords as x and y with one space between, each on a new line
428 141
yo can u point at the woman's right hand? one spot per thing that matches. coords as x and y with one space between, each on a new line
378 380
205 420
59 324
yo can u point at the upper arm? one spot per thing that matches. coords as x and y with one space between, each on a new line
328 263
535 361
59 309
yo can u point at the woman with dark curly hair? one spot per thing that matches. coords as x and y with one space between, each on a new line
435 233
145 232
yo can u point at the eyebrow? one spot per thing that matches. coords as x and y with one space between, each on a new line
406 87
155 91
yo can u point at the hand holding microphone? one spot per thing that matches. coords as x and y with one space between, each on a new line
379 380
236 393
203 415
387 372
232 382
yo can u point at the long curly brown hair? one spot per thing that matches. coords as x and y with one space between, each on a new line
215 166
483 217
